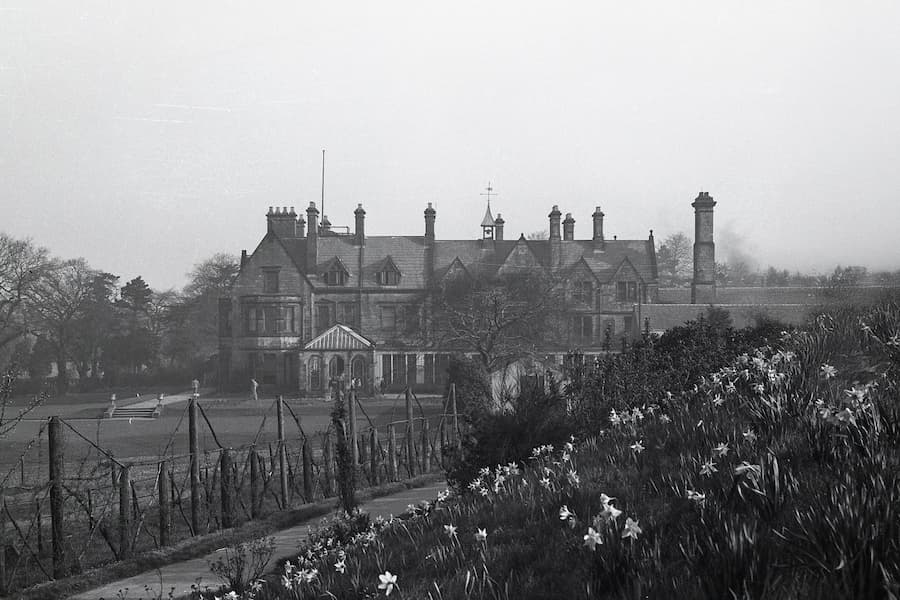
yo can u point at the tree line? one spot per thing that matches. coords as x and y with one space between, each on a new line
675 262
85 321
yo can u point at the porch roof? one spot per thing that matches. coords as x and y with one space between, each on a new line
339 337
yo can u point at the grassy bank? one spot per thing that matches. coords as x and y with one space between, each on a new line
776 475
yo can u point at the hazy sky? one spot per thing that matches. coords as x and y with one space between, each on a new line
146 136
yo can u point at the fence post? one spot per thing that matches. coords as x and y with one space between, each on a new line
165 514
282 457
124 513
374 455
194 445
225 477
392 452
410 436
40 527
353 436
426 447
3 589
328 458
57 473
307 471
254 483
443 427
363 448
457 438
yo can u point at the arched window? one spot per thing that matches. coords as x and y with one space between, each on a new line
358 369
315 373
336 367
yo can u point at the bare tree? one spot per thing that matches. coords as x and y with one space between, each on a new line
22 265
675 259
538 235
57 305
501 318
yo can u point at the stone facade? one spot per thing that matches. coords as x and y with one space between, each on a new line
305 277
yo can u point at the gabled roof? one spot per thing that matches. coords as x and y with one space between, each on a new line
339 337
335 264
456 266
387 264
626 264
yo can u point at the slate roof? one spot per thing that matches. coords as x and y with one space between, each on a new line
480 257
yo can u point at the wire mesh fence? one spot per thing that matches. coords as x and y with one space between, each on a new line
69 504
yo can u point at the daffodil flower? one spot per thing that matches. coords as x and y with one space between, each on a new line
592 539
697 497
565 513
340 566
722 449
632 530
638 446
708 468
450 530
481 536
388 581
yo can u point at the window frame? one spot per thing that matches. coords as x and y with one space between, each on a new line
268 274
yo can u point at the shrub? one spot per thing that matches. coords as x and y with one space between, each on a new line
535 418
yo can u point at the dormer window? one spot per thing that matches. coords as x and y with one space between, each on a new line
389 278
336 277
335 273
388 273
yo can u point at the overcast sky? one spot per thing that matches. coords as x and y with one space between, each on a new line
146 136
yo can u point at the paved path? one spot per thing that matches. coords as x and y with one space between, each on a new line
183 575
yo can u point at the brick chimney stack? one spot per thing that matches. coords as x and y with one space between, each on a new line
599 242
569 228
360 214
282 222
498 227
703 287
429 223
555 249
312 238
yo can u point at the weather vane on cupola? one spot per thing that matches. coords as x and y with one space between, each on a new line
487 223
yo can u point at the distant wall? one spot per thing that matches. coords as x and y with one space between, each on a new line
781 295
665 316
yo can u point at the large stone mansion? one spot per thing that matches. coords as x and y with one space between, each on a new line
312 303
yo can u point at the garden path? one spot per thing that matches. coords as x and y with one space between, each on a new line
183 575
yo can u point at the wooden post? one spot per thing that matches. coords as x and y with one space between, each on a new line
282 454
124 513
362 442
328 458
353 436
374 456
3 589
57 473
226 478
455 435
165 508
22 471
410 436
40 527
254 483
443 436
426 448
392 453
307 471
194 445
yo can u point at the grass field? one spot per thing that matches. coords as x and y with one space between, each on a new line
235 420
